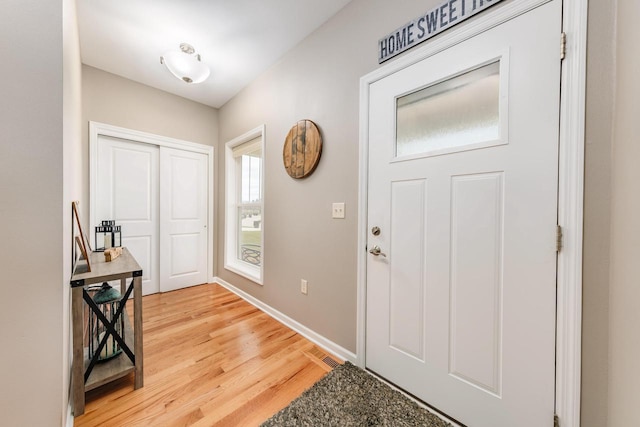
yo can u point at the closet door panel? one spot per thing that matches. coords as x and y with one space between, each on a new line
128 192
183 219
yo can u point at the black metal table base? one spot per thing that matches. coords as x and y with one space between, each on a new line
110 326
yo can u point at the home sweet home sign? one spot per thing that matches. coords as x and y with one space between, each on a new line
438 19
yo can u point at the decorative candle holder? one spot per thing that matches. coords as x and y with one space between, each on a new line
108 301
108 235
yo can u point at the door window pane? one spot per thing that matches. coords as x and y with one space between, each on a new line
457 112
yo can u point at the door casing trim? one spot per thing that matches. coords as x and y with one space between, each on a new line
96 129
570 182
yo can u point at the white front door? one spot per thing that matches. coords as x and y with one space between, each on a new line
127 192
183 219
463 176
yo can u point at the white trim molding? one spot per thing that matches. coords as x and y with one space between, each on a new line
70 417
96 129
570 194
309 334
571 214
231 172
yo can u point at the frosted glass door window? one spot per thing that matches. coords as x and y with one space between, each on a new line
450 115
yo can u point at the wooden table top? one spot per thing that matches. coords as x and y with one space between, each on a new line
101 271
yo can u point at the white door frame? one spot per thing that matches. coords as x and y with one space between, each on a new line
97 129
570 182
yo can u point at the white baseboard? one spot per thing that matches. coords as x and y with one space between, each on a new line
309 334
69 415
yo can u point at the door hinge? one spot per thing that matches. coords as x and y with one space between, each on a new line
563 45
556 421
558 238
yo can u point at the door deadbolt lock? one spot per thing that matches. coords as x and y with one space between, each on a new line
375 231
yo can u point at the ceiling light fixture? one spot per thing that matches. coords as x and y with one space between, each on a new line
186 64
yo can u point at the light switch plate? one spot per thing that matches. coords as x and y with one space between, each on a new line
338 211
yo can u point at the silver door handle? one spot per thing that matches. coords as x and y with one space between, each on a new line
376 251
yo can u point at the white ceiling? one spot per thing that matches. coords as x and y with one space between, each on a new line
237 39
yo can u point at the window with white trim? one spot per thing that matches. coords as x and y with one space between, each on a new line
244 251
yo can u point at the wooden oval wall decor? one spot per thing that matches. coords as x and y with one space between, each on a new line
302 149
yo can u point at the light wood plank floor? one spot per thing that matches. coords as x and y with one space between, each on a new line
210 358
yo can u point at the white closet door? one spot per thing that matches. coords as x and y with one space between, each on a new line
127 192
183 219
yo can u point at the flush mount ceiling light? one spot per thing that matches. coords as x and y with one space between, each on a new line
185 64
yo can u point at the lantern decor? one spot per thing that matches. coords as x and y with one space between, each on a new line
108 235
108 301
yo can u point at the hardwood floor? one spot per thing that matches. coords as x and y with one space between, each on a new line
210 359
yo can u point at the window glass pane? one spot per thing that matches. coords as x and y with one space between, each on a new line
460 111
251 179
250 235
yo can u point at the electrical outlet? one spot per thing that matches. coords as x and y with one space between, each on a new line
303 286
338 211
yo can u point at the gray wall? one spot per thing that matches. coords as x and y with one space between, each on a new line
31 212
317 80
624 293
71 170
597 204
611 319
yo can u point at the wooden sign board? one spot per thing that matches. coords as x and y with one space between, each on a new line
438 19
302 149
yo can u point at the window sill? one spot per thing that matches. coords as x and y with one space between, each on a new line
245 270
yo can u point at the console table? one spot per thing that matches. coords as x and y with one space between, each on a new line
88 374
